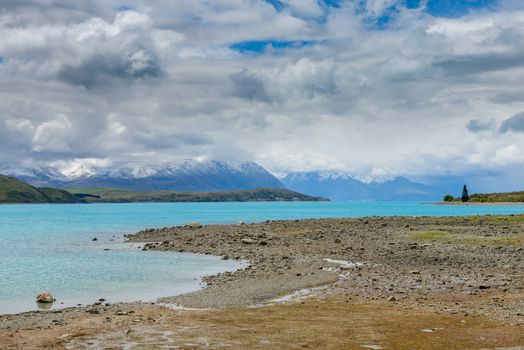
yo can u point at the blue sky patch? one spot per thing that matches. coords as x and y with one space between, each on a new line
412 4
457 8
332 3
436 8
279 6
276 4
2 59
259 46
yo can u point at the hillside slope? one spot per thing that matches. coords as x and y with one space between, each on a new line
14 191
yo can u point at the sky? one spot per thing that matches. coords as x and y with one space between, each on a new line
377 88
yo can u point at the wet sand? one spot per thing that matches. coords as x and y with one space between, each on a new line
428 283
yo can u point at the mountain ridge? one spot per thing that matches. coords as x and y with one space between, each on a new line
212 176
188 176
341 186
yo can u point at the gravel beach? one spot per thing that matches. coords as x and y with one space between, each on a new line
464 274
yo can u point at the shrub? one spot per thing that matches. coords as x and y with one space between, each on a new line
448 198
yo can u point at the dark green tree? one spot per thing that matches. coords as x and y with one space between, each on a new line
448 198
465 195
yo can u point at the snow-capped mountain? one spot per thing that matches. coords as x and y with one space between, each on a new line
188 175
341 186
39 176
77 172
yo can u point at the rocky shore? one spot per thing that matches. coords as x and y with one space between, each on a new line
459 278
408 259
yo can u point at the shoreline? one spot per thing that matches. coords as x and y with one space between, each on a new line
443 268
140 298
468 204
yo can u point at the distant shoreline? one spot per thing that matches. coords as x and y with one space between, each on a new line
471 204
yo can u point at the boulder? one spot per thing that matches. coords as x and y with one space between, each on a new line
194 225
247 241
45 298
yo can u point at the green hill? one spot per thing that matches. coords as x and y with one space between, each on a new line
507 197
257 195
512 197
14 191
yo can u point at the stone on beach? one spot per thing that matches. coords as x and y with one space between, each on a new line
45 298
247 241
194 225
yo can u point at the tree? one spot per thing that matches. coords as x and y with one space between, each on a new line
465 195
448 198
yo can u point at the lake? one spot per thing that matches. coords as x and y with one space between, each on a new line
51 247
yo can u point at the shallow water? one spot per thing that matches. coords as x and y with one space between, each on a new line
50 247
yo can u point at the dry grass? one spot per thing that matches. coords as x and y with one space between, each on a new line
514 218
468 239
331 323
327 323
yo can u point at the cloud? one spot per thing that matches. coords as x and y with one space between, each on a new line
100 70
381 86
248 86
307 8
92 52
514 123
303 79
475 125
509 96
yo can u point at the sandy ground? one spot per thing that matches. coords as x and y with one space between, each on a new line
376 283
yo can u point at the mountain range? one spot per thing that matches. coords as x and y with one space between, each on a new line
185 176
208 176
340 186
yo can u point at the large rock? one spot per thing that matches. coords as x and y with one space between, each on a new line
45 298
194 225
247 241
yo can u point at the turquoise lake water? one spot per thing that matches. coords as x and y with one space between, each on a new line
50 247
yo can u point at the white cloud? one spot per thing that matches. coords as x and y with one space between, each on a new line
52 136
161 82
308 8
